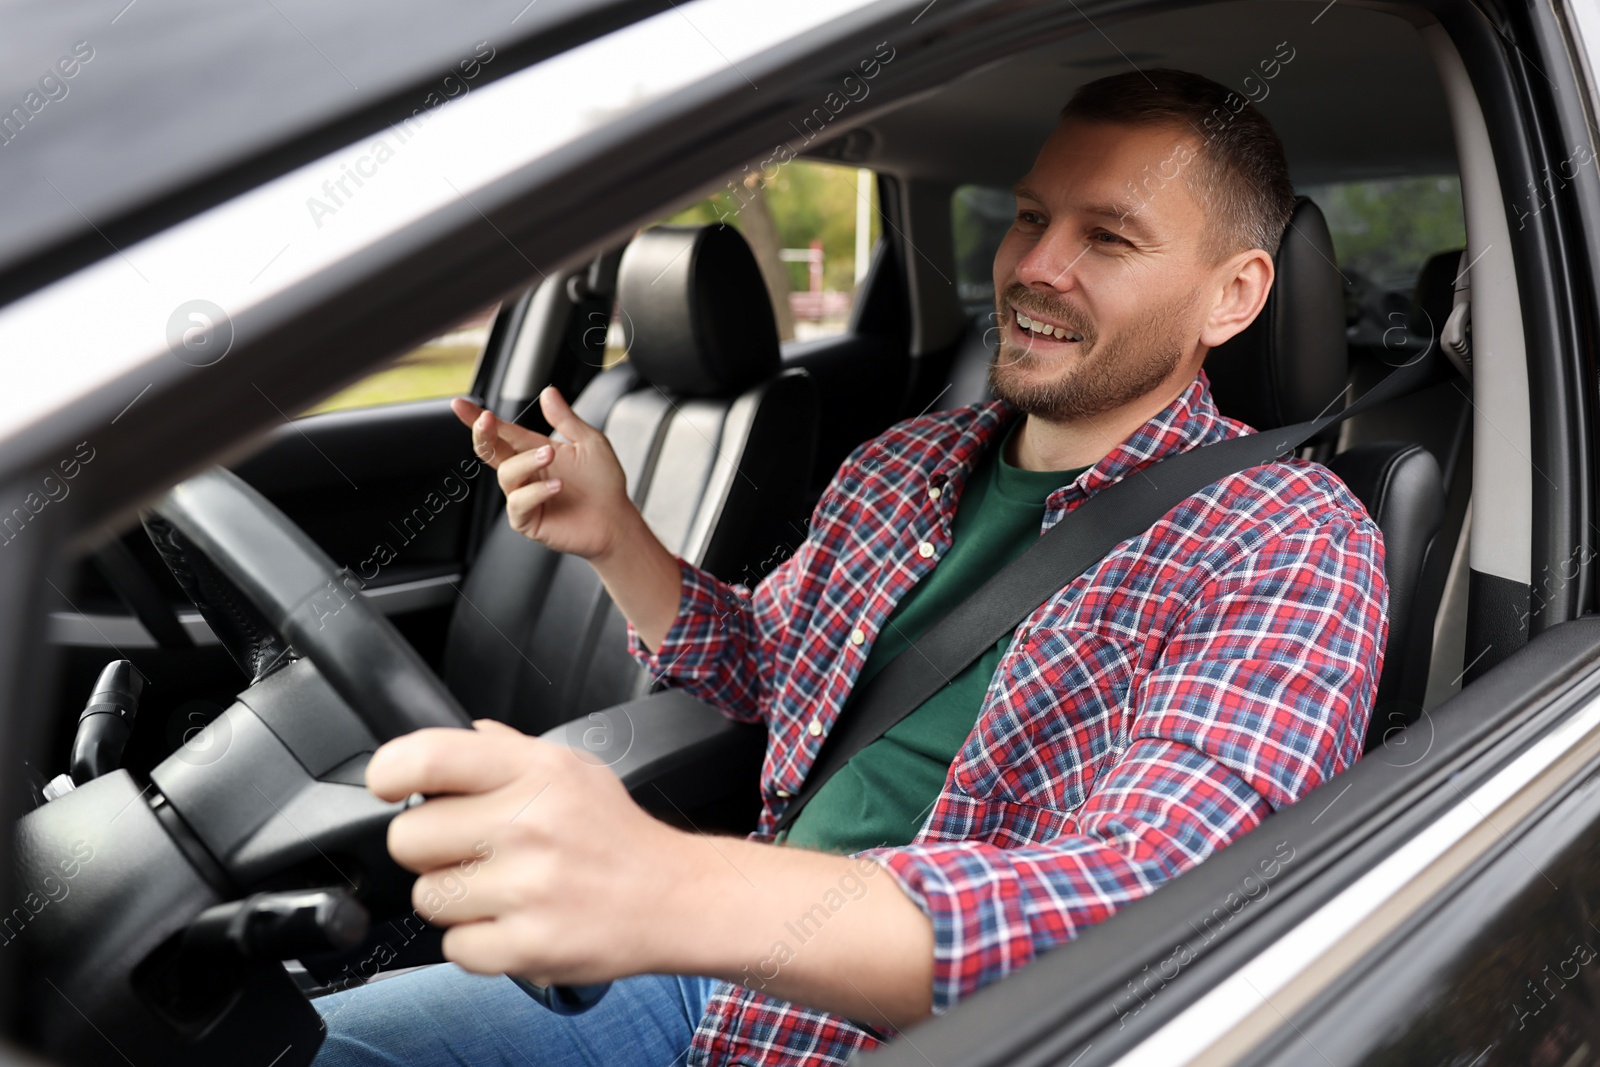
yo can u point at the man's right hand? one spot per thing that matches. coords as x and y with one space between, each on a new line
571 495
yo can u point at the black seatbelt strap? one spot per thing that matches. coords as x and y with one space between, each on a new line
1116 514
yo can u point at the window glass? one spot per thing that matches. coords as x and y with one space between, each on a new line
812 227
443 366
1384 231
980 216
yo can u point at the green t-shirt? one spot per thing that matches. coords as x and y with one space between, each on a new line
884 793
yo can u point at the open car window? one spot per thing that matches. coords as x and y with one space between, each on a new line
1384 232
812 227
439 367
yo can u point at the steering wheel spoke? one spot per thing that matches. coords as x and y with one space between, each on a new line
270 589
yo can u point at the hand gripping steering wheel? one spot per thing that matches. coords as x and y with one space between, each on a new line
269 591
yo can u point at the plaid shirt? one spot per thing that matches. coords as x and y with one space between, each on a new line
1211 670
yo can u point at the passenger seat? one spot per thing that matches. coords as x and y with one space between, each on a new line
1292 364
717 442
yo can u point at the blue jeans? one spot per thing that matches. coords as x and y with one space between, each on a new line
443 1016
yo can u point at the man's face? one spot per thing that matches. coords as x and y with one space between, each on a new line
1106 260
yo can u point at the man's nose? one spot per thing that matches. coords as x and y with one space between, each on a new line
1052 262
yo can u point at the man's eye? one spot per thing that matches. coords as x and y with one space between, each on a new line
1107 237
1030 218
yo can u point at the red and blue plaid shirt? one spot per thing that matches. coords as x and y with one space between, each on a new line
1211 670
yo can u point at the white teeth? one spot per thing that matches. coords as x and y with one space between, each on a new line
1046 330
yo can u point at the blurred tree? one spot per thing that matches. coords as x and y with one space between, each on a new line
1386 230
803 201
761 230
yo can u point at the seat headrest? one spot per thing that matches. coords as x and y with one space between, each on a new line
1435 295
696 312
1291 363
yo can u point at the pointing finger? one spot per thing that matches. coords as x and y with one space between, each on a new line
495 440
466 410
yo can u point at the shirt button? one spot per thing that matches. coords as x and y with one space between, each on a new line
925 549
857 636
934 492
814 728
784 794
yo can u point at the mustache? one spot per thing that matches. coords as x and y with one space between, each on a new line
1030 302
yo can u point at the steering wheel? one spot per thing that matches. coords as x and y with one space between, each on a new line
172 900
172 904
268 591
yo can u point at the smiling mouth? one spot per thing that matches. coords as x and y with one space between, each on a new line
1045 329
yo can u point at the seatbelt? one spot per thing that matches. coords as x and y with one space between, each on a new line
1116 514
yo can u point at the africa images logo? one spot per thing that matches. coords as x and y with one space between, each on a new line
199 333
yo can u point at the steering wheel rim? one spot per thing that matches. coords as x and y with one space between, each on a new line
310 603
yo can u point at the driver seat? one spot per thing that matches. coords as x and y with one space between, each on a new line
1290 365
717 442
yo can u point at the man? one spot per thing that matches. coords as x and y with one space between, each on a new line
1158 706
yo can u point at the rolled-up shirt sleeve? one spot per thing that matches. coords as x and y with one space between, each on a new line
1262 692
722 645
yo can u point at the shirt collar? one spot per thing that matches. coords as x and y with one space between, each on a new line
1188 422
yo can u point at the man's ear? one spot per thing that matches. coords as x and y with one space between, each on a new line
1245 280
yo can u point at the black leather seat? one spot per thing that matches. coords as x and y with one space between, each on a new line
1439 418
717 442
968 382
1292 364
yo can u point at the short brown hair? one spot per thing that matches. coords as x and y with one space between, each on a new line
1240 176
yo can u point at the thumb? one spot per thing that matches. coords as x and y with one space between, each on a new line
494 726
561 417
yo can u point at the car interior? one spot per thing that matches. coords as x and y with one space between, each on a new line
729 435
729 441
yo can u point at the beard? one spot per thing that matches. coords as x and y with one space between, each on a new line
1100 376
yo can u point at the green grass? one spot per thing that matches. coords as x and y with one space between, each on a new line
433 370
